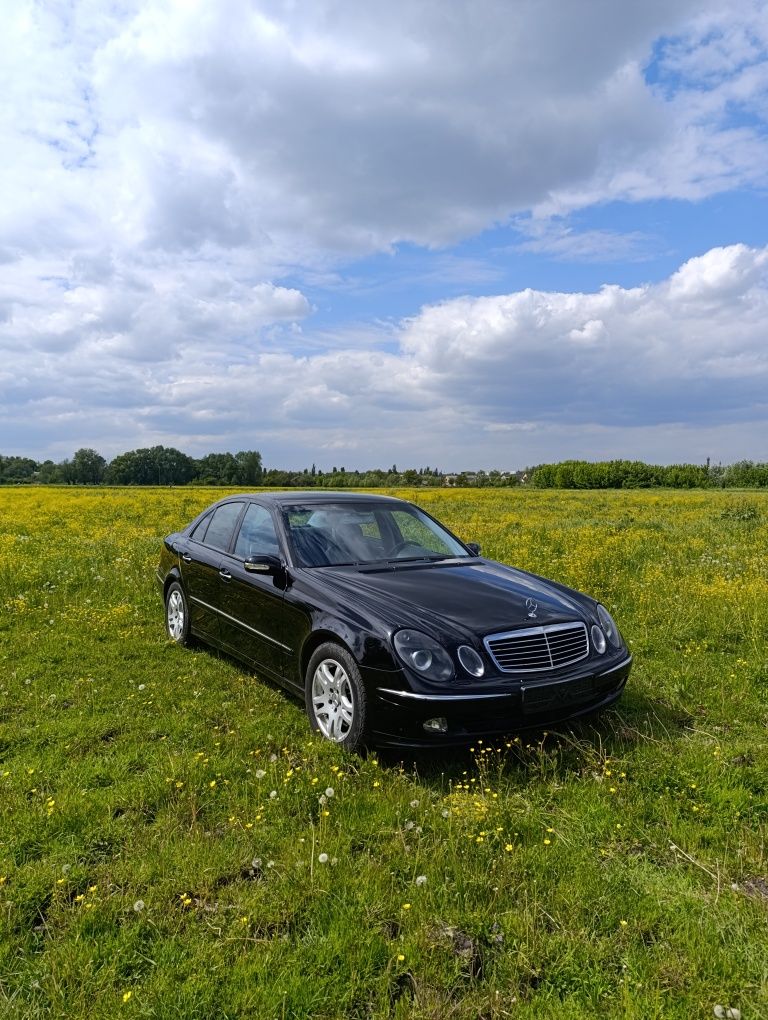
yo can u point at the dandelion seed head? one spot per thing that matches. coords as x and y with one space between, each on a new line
421 880
322 858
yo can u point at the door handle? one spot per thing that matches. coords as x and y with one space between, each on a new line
224 574
186 557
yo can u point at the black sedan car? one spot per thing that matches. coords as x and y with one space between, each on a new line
392 630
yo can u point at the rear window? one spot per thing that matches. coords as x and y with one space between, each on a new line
219 533
198 532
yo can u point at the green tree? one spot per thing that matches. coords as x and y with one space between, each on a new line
17 469
250 467
87 467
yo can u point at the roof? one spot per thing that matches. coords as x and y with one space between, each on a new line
289 498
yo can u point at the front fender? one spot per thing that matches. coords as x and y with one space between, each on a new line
370 649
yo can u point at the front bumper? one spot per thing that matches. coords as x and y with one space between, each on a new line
398 716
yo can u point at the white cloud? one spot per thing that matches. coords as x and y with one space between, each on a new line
295 130
530 368
691 346
177 167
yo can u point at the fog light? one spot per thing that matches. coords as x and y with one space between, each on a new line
438 725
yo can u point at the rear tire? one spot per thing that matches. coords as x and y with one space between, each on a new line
177 615
335 696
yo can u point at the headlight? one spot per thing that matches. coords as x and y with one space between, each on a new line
610 629
598 639
423 654
470 660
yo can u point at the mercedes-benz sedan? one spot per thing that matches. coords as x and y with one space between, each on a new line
391 629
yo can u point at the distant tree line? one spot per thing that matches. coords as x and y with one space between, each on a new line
161 465
158 465
635 474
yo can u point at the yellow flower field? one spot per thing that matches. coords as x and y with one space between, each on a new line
174 842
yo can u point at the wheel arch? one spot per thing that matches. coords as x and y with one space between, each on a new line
174 574
314 640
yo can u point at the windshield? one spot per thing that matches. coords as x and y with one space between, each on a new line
332 534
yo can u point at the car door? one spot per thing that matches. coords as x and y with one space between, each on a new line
201 564
252 622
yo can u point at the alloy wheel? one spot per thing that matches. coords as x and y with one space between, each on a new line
333 700
175 615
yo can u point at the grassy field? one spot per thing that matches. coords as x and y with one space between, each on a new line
175 843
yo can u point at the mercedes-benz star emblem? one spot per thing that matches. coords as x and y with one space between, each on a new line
531 605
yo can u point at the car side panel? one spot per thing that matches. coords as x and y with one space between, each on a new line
199 567
252 621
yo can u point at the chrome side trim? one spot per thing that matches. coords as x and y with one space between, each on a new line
440 697
240 623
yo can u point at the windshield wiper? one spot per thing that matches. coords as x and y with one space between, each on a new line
420 559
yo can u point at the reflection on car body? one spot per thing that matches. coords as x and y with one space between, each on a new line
391 629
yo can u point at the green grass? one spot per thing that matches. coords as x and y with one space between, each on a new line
612 869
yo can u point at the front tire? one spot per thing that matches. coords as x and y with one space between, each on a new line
177 615
335 696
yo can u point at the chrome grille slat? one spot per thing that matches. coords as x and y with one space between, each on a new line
535 649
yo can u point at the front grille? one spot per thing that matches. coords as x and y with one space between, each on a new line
538 648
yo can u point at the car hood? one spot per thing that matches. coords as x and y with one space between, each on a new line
479 597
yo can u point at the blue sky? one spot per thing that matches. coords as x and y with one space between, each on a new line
668 233
472 235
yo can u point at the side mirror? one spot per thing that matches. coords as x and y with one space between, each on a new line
474 548
262 564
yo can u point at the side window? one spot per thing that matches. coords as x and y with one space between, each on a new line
257 534
222 524
198 533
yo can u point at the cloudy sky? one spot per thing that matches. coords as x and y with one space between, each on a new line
475 233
